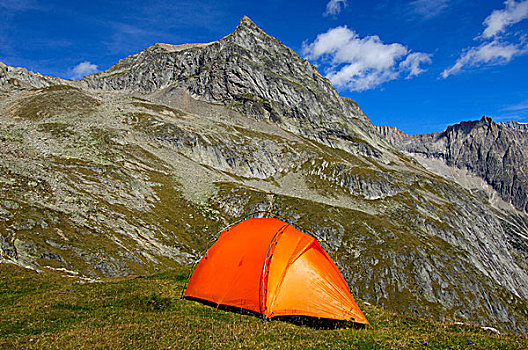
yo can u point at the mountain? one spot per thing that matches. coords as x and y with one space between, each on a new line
130 171
495 152
248 71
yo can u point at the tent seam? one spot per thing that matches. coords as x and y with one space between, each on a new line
264 289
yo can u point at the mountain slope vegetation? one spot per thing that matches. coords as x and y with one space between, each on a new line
47 310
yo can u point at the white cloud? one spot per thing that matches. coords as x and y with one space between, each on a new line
334 7
82 69
429 8
491 53
499 20
523 106
506 118
497 47
413 61
19 5
362 63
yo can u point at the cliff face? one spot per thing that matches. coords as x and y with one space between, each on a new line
495 152
251 72
131 170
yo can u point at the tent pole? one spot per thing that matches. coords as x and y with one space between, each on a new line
264 272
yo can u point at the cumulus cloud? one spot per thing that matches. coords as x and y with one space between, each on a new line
429 8
499 20
82 69
412 63
362 63
498 46
333 7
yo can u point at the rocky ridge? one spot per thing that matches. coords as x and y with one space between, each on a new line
131 170
495 152
252 72
20 78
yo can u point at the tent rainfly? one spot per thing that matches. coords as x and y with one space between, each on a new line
268 266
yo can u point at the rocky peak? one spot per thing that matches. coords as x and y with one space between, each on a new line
247 25
515 125
250 36
495 152
467 126
252 72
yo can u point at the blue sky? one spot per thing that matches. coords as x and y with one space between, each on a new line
419 65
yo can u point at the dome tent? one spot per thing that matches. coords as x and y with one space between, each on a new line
271 267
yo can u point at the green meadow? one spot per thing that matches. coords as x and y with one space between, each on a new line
51 311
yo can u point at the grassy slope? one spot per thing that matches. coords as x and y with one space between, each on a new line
131 197
51 311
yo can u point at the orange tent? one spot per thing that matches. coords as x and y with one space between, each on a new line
268 266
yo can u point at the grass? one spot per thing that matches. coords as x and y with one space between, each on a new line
50 311
52 101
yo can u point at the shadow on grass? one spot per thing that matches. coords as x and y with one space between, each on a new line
299 320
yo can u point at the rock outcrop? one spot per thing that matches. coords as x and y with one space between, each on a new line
14 78
252 72
496 152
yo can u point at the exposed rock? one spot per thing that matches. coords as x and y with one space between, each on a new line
12 78
491 329
496 152
252 72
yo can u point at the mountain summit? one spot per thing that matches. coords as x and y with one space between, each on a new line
249 71
131 170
